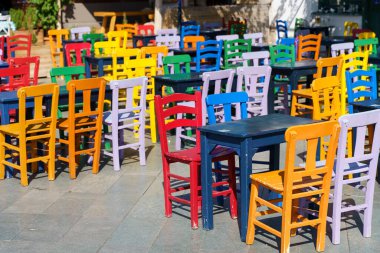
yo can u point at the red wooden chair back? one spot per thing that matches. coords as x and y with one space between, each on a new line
17 77
77 50
145 29
32 62
356 32
19 43
169 107
2 42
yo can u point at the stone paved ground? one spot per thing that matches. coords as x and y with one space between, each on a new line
124 212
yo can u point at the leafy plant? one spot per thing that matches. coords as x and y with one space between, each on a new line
17 16
24 20
47 12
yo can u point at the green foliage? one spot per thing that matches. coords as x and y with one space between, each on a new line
24 20
17 16
47 12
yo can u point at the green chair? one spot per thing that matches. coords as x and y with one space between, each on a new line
174 65
370 45
239 29
233 52
93 37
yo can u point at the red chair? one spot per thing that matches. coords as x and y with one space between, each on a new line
356 32
17 77
78 51
19 43
166 109
146 30
28 61
2 42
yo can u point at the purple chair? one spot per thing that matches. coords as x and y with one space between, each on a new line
126 116
363 164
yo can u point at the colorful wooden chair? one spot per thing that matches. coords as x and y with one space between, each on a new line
55 40
210 50
120 71
256 38
227 37
76 33
287 41
342 49
17 44
349 27
295 183
167 32
255 58
176 64
92 38
2 48
125 116
18 76
357 32
30 134
370 45
233 50
187 31
367 35
145 29
75 53
131 29
121 36
155 52
167 108
282 29
191 41
172 42
33 64
309 47
83 126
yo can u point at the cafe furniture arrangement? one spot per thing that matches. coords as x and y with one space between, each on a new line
225 94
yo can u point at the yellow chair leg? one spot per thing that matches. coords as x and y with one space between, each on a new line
51 162
250 237
34 154
2 156
294 218
293 110
152 119
71 155
23 165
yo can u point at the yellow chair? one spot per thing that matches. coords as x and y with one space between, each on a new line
122 36
106 48
293 183
27 135
139 68
130 28
157 53
325 67
349 27
191 41
55 41
367 35
351 62
83 125
119 71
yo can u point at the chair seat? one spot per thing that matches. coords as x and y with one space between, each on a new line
194 155
307 93
63 124
122 117
14 129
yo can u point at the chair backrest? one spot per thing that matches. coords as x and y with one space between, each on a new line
55 41
191 41
287 41
121 36
227 37
92 38
157 52
329 67
361 85
6 25
189 30
239 29
92 91
233 50
106 47
221 79
342 49
68 73
145 29
282 29
309 47
214 101
167 32
349 27
364 153
325 96
120 71
33 64
370 45
256 81
17 77
176 64
2 48
172 42
282 53
19 43
131 29
75 53
258 58
320 176
77 32
255 37
168 107
208 50
366 35
46 122
356 32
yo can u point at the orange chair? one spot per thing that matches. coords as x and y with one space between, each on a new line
191 41
27 133
55 40
295 182
325 67
130 28
309 45
84 125
157 53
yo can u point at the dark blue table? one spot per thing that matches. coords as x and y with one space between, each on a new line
99 62
179 82
260 47
210 34
144 38
190 51
3 64
245 136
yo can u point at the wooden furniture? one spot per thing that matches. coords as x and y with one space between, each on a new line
233 51
33 64
55 40
309 47
75 52
18 76
19 43
76 33
342 49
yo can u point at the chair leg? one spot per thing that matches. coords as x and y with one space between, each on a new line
337 210
232 185
51 162
294 218
250 238
71 154
2 156
115 147
167 193
285 227
23 164
367 223
152 120
97 146
219 178
321 228
293 110
194 167
34 154
142 143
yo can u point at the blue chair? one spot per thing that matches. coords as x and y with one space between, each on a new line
366 80
189 30
287 41
211 52
281 27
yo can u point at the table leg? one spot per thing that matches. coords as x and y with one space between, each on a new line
100 68
271 95
206 178
87 68
4 121
134 41
274 157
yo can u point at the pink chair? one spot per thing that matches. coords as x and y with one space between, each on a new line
75 53
126 117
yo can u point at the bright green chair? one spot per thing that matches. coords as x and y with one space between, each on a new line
233 52
368 45
174 65
93 37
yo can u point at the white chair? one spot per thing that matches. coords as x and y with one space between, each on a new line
255 37
167 32
227 37
172 42
256 58
342 49
77 32
6 25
